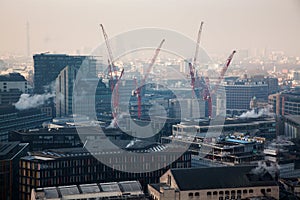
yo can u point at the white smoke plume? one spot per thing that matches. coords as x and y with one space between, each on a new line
113 124
262 167
256 114
26 101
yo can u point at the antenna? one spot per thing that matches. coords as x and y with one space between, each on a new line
28 39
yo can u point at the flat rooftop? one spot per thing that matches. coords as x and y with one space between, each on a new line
93 190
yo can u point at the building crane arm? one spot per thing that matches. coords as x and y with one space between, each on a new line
223 71
138 90
197 45
109 51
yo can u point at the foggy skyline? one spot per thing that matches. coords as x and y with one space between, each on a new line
65 26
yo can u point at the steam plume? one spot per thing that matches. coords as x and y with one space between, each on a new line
26 101
254 114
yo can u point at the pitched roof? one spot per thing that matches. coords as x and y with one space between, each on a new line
220 177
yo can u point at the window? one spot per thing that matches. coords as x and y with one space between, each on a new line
208 193
197 194
263 191
250 191
215 193
245 191
221 193
269 190
191 195
169 180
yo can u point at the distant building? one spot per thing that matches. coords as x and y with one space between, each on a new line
286 103
48 66
75 166
283 155
12 119
292 126
263 127
10 153
296 75
292 185
214 183
239 94
11 87
130 190
59 137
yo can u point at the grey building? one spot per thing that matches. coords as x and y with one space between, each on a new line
11 119
12 85
10 153
129 190
286 103
239 93
48 66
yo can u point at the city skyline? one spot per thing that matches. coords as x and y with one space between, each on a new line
73 26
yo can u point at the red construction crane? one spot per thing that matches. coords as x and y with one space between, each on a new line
207 96
223 71
192 65
138 89
110 55
113 83
197 45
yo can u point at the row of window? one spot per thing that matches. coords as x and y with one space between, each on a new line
227 192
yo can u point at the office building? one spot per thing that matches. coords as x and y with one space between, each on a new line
48 66
10 153
60 137
129 190
75 166
12 85
214 183
286 103
292 126
12 119
240 92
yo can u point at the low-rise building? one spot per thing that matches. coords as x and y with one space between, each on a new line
85 165
215 183
10 154
129 190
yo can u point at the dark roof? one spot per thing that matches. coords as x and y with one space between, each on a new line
12 77
293 118
220 177
8 150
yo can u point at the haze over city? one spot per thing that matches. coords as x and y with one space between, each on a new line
71 26
149 100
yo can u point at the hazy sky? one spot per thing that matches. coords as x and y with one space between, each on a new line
65 26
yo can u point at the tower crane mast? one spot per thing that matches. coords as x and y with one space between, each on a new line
138 89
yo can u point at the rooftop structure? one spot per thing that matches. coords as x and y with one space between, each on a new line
142 161
10 153
115 190
214 183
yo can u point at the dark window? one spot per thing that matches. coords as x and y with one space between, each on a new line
269 190
245 191
197 194
250 191
227 192
221 193
215 193
191 195
263 191
208 193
